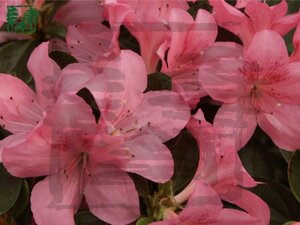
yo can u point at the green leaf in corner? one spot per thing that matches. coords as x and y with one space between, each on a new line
283 205
159 81
14 56
294 174
145 221
9 190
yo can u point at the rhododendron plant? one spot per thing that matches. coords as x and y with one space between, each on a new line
149 112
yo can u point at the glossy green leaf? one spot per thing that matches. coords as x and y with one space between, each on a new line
294 174
145 221
262 159
283 205
54 30
159 81
9 190
289 223
85 217
62 59
185 153
14 56
22 200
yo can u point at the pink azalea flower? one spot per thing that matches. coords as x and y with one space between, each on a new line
221 168
147 21
188 40
22 109
118 91
81 157
205 207
92 43
258 16
259 87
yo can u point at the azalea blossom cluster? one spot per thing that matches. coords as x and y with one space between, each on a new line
84 151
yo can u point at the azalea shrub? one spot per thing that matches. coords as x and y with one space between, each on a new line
161 112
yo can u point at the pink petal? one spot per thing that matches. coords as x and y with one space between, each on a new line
39 159
73 78
45 73
111 195
11 141
222 79
284 133
287 23
187 84
242 3
267 57
19 108
157 109
119 88
88 41
180 24
76 11
68 122
287 89
279 10
260 15
150 158
231 216
55 200
235 124
232 19
250 203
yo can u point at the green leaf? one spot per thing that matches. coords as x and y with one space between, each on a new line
62 59
294 175
289 223
262 159
185 153
54 30
283 205
159 81
9 190
85 217
22 200
145 221
14 56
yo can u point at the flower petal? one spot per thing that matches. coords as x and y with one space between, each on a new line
150 158
267 57
158 108
235 124
74 12
38 159
88 41
284 132
222 79
45 73
19 109
111 195
249 202
55 200
119 88
232 19
73 78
